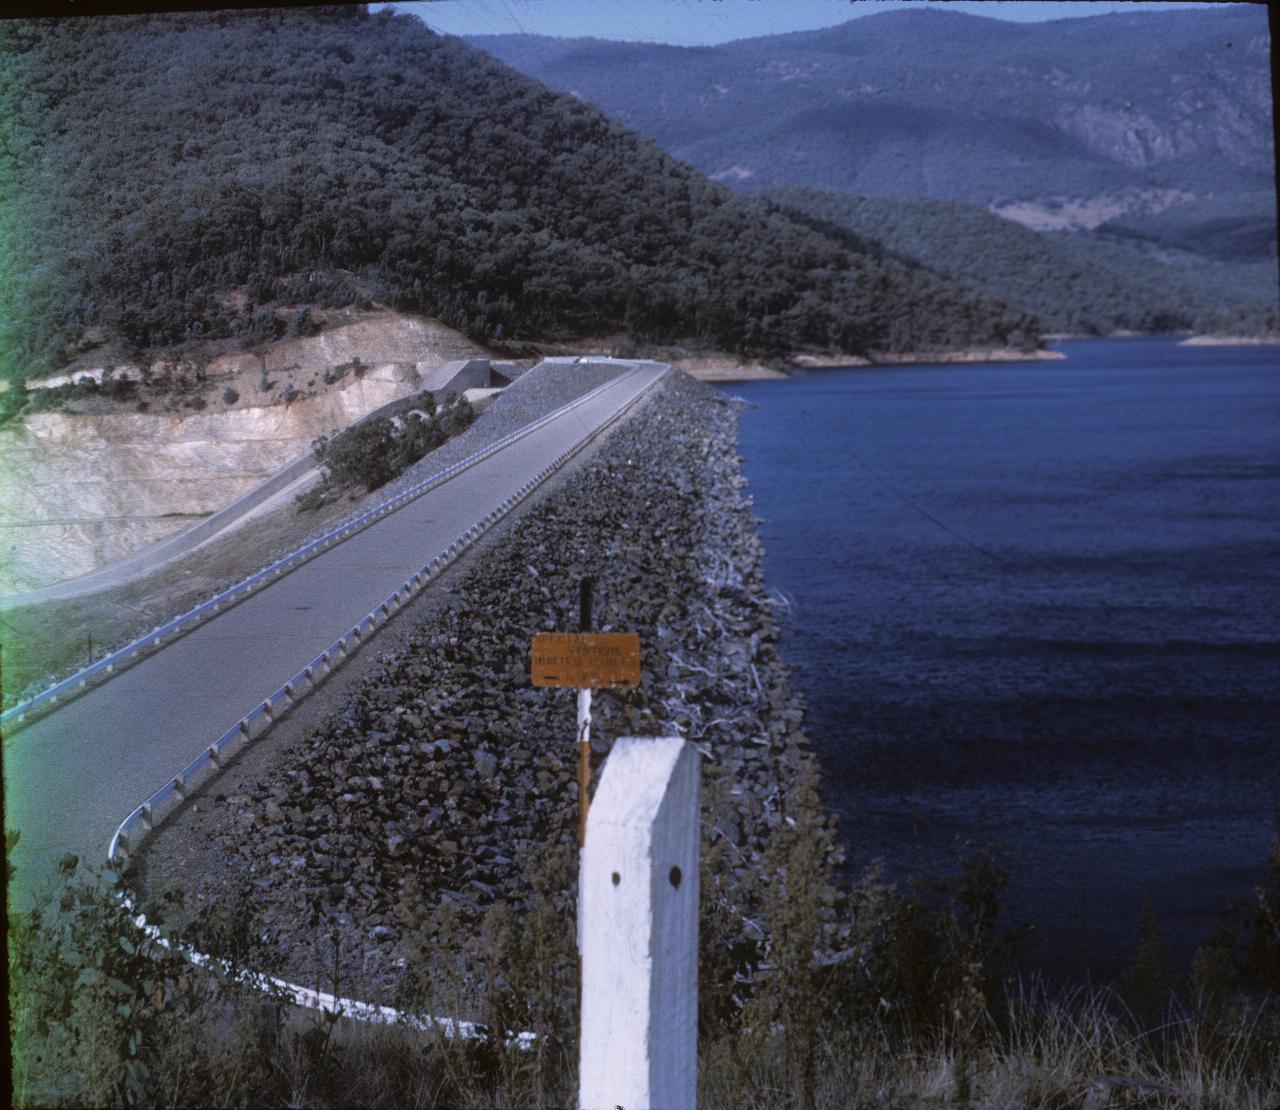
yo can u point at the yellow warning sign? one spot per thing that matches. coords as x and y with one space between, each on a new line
583 659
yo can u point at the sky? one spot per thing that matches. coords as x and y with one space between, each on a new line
706 22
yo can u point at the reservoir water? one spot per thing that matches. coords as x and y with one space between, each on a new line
1036 609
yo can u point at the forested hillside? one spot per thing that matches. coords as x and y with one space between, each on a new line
1140 144
172 178
1139 109
1074 283
1237 227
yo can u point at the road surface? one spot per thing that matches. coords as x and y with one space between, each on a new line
73 775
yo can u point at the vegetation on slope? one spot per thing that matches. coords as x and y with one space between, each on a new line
370 453
175 178
1073 283
949 105
914 1015
1240 228
1224 298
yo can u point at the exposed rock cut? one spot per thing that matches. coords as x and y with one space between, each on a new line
80 490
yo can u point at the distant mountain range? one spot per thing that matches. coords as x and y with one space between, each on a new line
1110 113
182 178
1148 135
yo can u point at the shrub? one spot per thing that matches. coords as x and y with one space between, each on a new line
103 1014
360 455
373 452
1261 920
119 389
514 968
230 396
261 326
313 498
261 288
12 401
1148 979
337 373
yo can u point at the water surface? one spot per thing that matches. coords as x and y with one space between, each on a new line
1036 608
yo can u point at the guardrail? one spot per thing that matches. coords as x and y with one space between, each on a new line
104 668
310 998
150 813
181 543
249 728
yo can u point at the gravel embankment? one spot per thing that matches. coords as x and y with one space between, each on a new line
445 763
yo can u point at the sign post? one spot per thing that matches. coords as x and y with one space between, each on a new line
585 660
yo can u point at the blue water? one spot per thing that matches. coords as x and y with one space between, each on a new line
1037 609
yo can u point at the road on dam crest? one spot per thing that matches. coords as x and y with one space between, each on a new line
73 775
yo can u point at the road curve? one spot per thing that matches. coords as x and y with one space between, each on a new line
71 776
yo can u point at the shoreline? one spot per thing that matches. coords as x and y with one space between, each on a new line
719 371
1231 341
926 358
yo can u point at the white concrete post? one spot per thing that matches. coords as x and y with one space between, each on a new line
639 930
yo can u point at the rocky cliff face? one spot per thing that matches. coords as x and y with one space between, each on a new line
1198 123
380 339
80 490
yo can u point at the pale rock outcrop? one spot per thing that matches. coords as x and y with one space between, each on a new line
79 490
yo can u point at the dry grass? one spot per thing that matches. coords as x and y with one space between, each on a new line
203 1041
1080 1052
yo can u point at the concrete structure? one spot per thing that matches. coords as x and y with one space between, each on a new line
459 375
639 930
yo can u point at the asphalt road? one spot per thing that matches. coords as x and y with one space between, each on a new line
72 776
